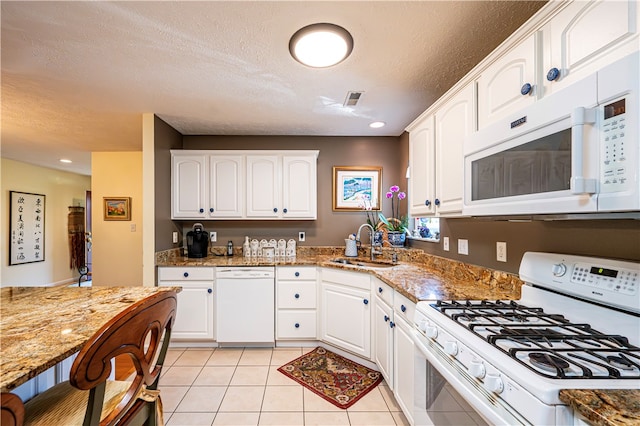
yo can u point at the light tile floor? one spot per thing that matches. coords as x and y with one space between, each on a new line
242 386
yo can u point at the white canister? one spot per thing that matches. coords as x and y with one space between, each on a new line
351 248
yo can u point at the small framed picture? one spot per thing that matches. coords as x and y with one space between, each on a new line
117 208
356 187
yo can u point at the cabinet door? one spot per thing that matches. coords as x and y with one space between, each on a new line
226 186
346 318
422 173
299 193
403 358
454 122
263 186
383 342
194 318
499 85
189 186
585 36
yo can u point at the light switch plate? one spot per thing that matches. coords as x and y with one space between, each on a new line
175 237
213 236
445 243
463 247
501 251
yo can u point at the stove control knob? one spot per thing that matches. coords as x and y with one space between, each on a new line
493 383
431 331
476 369
559 269
451 348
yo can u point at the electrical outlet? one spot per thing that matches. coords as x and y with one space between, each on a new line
445 243
133 227
301 236
213 236
463 247
175 237
501 251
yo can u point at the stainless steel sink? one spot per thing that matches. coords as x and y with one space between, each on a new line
362 263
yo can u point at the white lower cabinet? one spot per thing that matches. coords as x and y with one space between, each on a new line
403 357
296 313
346 311
194 319
383 339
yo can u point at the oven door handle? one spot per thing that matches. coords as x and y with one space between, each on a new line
580 184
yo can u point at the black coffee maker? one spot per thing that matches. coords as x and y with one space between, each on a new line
197 241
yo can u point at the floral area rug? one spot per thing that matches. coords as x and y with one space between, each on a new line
336 379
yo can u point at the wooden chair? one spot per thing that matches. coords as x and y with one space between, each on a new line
143 331
12 413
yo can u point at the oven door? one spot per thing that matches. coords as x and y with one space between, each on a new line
445 395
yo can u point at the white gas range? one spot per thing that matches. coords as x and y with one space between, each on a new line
576 326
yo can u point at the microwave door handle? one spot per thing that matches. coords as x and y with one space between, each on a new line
579 118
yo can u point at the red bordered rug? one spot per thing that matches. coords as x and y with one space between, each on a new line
338 380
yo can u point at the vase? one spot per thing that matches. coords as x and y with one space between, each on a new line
396 238
377 238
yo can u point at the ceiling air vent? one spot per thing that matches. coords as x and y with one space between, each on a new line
352 98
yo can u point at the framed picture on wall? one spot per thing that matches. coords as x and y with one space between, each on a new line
356 187
117 208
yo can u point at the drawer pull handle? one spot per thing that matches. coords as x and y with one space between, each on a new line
392 324
201 210
526 89
186 274
365 301
297 325
427 203
284 210
297 296
211 210
275 210
437 202
553 74
386 318
297 274
403 308
379 289
209 290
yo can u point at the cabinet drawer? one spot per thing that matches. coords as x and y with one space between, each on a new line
354 279
297 295
382 290
296 273
296 324
404 307
190 273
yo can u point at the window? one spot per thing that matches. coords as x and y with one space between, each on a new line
426 228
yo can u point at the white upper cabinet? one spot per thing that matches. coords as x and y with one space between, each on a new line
422 187
576 40
243 184
584 37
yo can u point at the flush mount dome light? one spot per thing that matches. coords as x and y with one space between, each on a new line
321 45
377 124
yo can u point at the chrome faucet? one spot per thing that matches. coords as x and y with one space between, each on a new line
374 251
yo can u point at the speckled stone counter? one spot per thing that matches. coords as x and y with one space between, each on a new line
41 326
605 407
416 275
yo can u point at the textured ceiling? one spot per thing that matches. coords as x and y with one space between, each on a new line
76 76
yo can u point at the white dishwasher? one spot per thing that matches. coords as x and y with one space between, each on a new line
245 305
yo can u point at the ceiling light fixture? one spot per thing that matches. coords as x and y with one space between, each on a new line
321 45
66 161
377 124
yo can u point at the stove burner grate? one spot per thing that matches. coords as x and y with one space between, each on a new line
548 362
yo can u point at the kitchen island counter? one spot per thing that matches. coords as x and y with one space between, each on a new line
605 407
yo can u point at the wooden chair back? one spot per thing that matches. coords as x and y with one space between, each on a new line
142 331
12 412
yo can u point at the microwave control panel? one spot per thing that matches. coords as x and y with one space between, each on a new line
613 170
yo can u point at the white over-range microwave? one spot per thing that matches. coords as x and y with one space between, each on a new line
575 151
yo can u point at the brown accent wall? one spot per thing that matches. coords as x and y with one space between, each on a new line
166 139
331 227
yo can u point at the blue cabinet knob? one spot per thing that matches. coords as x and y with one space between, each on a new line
365 301
297 325
297 296
427 203
186 274
553 74
526 89
297 274
403 308
284 211
392 324
201 210
209 290
436 202
211 210
275 210
386 318
379 289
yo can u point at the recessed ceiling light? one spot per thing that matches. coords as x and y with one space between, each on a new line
66 161
321 45
377 124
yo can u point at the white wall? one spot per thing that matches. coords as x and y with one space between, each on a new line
117 245
60 189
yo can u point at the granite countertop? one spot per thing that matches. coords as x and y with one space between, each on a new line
42 326
605 407
416 275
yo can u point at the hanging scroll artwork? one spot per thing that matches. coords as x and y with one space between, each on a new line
26 219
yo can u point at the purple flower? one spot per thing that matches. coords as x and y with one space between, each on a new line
402 196
394 188
389 194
